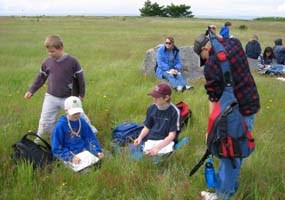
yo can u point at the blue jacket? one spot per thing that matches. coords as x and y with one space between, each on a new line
167 60
252 49
64 146
225 32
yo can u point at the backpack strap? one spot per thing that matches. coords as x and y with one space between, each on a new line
222 56
36 135
200 163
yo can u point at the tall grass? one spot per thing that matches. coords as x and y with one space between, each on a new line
111 51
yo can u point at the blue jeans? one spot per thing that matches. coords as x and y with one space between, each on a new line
174 81
227 176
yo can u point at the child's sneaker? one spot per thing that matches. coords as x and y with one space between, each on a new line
189 87
179 88
209 196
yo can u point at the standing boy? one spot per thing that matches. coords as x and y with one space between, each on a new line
58 69
162 120
246 93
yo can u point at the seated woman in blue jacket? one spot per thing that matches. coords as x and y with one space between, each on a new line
72 135
169 65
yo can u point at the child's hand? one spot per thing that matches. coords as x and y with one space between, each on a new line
137 141
100 155
153 151
173 71
76 160
28 95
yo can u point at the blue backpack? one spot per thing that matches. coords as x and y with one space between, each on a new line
126 132
228 136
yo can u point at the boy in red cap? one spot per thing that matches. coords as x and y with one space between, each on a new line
162 122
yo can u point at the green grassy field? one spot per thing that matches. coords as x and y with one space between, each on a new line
111 52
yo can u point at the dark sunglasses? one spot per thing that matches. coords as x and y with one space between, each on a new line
168 43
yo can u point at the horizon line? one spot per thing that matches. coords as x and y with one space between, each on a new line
243 17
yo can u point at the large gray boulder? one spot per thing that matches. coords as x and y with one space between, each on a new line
190 62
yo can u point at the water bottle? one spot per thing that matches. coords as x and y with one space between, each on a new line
210 174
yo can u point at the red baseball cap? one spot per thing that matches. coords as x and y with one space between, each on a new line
161 90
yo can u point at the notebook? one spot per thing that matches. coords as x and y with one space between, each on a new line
87 160
150 143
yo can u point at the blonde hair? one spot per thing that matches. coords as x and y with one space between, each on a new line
54 41
254 37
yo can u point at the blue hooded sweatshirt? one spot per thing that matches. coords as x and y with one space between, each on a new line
64 145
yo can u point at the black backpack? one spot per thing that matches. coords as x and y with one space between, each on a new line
37 154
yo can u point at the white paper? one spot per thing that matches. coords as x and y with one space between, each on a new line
151 143
86 159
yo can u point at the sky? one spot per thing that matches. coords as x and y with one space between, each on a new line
200 8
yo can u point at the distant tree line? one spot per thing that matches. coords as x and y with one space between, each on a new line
154 9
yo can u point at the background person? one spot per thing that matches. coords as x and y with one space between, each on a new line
169 65
279 51
252 48
266 59
225 30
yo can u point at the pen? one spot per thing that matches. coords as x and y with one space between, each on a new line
72 153
131 139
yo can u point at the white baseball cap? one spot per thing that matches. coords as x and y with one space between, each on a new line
73 105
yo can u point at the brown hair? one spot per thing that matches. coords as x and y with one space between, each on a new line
54 41
170 38
268 49
169 99
228 24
